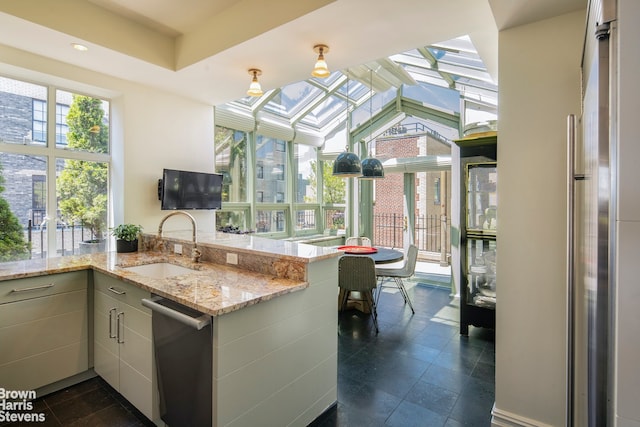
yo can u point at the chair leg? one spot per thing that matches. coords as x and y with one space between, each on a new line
404 293
368 296
378 291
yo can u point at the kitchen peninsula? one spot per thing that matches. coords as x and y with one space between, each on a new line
272 304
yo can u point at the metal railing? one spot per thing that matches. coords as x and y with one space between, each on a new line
68 238
388 231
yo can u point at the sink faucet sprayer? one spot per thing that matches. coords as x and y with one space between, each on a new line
195 253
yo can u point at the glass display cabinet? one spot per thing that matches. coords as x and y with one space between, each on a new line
478 224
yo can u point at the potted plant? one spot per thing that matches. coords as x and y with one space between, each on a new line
126 237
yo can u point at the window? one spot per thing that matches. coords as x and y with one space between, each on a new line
305 220
39 121
79 179
271 165
61 124
260 196
231 161
280 221
436 191
270 221
87 117
281 146
279 197
38 199
306 172
232 218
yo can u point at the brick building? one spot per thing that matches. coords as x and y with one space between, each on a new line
432 189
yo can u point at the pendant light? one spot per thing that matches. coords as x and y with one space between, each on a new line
371 167
254 88
347 164
321 70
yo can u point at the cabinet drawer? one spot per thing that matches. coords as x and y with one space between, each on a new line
121 291
33 287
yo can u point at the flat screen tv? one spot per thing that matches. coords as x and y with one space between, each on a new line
186 190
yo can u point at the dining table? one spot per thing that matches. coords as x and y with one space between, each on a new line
380 255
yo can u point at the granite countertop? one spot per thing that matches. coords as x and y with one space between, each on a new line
212 288
255 245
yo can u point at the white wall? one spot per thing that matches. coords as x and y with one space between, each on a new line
627 385
162 130
539 85
150 130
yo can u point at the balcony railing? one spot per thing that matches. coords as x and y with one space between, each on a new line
68 238
388 231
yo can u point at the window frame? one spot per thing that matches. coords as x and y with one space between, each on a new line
49 150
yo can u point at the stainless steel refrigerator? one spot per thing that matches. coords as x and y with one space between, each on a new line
591 214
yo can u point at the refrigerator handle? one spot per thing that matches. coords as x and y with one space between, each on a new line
570 309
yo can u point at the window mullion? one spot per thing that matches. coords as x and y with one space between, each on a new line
291 181
52 202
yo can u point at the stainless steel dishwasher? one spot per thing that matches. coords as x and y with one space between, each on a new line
183 340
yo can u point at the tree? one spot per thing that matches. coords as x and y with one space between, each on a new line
82 185
335 188
12 243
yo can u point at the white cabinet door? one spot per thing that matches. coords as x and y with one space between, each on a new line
106 357
43 329
123 349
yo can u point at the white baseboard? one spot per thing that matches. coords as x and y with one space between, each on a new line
500 418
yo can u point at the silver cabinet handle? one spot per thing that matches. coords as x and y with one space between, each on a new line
111 334
34 288
120 338
116 291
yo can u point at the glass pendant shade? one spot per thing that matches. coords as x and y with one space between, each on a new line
321 70
254 88
346 165
372 169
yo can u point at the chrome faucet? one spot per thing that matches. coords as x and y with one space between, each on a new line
195 252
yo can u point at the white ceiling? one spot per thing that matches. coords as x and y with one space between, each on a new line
203 48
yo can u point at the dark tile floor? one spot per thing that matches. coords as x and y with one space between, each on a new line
90 403
417 371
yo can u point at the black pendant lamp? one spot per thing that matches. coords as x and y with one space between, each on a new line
371 167
347 164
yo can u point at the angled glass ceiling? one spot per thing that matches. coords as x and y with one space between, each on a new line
432 83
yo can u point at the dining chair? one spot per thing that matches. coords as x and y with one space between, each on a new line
397 274
358 274
358 241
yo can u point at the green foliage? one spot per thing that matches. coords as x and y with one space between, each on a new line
82 185
13 245
334 187
128 232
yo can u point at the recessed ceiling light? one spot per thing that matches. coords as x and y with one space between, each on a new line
80 47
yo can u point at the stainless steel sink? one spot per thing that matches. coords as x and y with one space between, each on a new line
159 270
